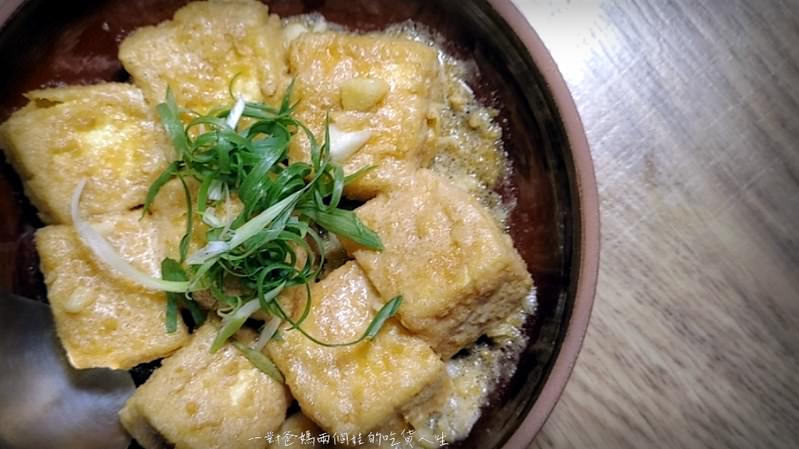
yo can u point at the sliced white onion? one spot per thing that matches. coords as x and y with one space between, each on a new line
267 333
210 218
106 253
344 143
212 249
215 190
235 113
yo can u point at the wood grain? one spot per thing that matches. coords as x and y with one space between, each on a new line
692 112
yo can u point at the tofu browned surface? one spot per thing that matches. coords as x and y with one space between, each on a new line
341 74
457 270
296 430
170 211
203 48
199 400
352 388
102 319
104 133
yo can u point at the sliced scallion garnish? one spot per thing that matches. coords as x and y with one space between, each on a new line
172 271
106 253
274 242
260 361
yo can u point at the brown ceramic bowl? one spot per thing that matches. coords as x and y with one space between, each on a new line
555 225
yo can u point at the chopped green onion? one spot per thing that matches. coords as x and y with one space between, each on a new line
233 322
345 223
269 331
186 239
260 361
170 117
388 310
260 221
167 175
171 313
172 271
273 242
212 249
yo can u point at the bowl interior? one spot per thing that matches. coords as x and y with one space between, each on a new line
48 42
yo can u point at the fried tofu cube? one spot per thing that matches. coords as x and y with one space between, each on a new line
170 211
391 434
375 83
359 387
298 430
198 400
203 48
104 320
456 269
105 133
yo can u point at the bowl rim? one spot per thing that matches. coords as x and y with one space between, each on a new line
589 243
7 10
588 196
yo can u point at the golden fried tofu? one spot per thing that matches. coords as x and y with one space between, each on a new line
392 434
105 133
457 270
203 48
297 430
104 320
198 400
352 388
378 84
170 211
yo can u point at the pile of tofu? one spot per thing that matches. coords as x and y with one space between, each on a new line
457 271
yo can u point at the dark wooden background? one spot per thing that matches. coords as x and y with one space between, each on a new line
692 112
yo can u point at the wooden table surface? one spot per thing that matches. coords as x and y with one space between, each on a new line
692 112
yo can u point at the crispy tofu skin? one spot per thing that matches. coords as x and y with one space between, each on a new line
104 320
105 133
297 430
170 210
391 434
326 63
203 48
198 400
456 269
352 388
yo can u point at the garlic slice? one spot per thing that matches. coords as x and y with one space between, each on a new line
344 144
362 94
